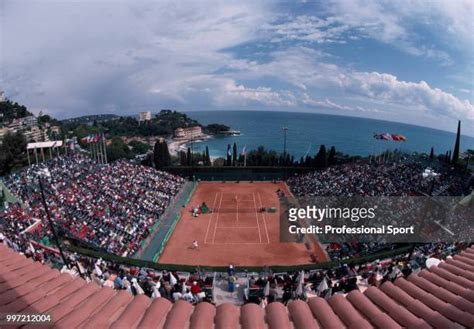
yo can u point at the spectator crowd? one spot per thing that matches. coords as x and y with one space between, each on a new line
375 179
404 179
111 207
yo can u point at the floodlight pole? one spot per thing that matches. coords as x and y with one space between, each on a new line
48 216
285 130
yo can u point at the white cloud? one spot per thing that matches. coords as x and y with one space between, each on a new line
417 95
75 58
304 69
71 57
238 94
307 28
387 22
393 22
328 104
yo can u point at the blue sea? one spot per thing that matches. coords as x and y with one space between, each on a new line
307 131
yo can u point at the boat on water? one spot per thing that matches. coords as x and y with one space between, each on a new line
230 133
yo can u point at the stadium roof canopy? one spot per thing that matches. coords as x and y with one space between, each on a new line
44 145
440 297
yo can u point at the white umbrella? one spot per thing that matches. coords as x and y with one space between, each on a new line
323 285
266 290
81 268
156 292
432 262
299 288
137 287
97 269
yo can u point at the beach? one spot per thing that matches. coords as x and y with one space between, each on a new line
174 146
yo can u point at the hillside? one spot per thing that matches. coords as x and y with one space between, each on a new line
11 110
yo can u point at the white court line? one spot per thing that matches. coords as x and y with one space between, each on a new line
238 243
256 216
263 216
217 220
210 220
221 227
237 210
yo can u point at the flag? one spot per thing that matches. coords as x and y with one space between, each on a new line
96 138
85 139
173 280
266 290
387 137
244 150
390 137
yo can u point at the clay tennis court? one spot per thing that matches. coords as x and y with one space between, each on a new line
235 231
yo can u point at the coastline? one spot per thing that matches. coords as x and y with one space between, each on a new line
174 146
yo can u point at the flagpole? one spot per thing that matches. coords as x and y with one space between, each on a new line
99 149
105 147
96 151
90 149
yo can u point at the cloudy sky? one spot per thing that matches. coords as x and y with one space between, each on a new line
408 61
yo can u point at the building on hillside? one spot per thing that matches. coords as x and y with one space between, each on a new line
28 126
144 116
3 132
188 133
55 129
21 124
35 134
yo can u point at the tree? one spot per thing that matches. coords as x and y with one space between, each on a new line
332 156
208 158
262 157
161 154
118 150
308 161
432 153
234 154
455 157
189 157
219 162
12 111
183 160
139 147
321 160
12 153
215 128
229 156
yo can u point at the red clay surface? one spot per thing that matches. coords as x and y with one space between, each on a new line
226 236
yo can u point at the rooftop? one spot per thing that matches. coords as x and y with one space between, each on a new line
440 297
